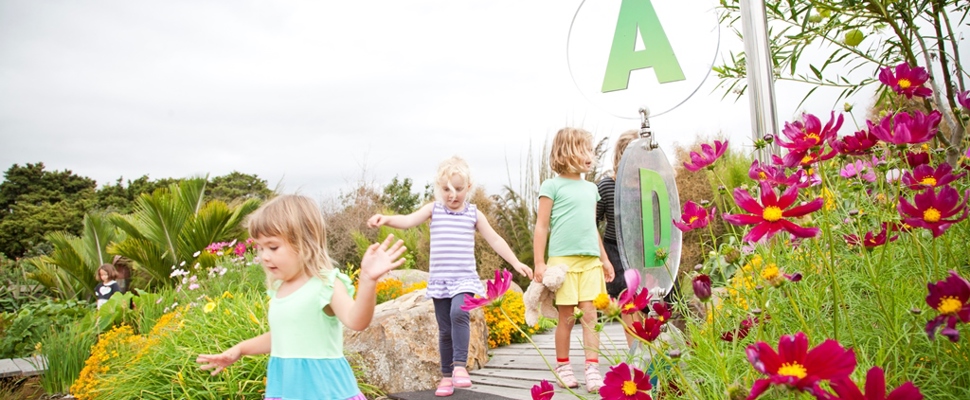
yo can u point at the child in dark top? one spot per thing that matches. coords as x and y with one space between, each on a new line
605 211
108 287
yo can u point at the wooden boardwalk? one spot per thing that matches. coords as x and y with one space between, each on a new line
512 370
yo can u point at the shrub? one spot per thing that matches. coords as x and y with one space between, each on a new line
502 331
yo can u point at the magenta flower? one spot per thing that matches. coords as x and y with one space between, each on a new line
809 135
775 176
694 217
634 298
702 287
648 329
871 240
906 81
770 215
543 391
495 290
845 389
964 99
240 249
903 128
796 367
949 297
915 159
662 311
858 144
862 169
803 159
624 382
708 156
931 210
742 331
924 176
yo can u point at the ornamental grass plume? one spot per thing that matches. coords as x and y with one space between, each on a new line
625 382
707 157
495 290
905 80
769 217
925 176
950 297
846 389
796 367
694 217
931 211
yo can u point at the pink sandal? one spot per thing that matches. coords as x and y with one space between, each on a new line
565 377
444 389
460 377
593 379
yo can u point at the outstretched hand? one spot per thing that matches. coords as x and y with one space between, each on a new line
219 361
376 220
523 269
382 257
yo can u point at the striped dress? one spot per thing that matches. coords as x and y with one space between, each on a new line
452 267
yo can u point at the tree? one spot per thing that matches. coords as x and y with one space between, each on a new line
398 197
918 32
237 186
34 202
120 197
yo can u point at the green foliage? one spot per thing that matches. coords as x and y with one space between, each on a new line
15 289
120 197
65 348
413 238
21 331
398 197
171 226
236 187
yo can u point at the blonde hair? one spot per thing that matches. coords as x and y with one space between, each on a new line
297 220
110 269
621 143
448 168
571 148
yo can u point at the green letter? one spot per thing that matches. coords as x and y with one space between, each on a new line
655 206
639 15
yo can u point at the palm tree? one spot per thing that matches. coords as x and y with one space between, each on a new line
169 228
69 270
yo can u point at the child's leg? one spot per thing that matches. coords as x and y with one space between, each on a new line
442 313
591 338
460 333
563 330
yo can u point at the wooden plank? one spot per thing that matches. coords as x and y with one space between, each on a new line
31 366
8 368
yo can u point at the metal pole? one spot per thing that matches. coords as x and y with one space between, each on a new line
761 82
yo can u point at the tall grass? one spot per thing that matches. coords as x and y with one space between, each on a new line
65 348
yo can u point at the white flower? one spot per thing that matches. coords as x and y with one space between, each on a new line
193 286
182 264
196 266
196 254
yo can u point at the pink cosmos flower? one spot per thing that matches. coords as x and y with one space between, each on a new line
496 289
857 144
543 391
906 81
634 298
803 159
770 215
240 249
951 297
809 135
845 389
648 329
694 217
662 311
796 367
871 240
708 156
931 210
925 176
903 128
742 331
775 176
964 99
862 169
915 159
624 382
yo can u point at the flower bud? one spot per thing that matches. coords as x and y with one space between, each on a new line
847 107
702 287
768 138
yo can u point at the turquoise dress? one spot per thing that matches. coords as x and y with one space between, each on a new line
306 359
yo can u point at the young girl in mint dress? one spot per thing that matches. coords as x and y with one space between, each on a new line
310 303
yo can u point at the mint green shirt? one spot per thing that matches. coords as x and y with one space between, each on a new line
572 226
300 328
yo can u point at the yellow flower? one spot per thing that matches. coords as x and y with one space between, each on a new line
252 317
601 301
209 307
226 295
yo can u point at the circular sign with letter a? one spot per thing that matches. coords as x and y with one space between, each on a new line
631 53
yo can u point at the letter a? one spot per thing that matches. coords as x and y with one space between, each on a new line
639 15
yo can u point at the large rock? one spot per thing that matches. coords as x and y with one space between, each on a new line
398 352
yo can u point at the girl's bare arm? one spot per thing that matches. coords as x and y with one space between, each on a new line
402 221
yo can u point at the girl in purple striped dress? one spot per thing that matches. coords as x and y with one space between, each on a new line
452 270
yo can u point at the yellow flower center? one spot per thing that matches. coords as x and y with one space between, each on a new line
813 136
949 305
928 181
904 83
629 388
793 369
931 215
807 159
692 219
762 176
770 273
602 301
771 214
629 306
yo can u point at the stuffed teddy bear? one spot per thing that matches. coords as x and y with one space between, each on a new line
540 297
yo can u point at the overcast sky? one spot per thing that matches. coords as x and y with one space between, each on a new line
317 95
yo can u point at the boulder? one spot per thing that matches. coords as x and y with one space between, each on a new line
407 276
398 352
